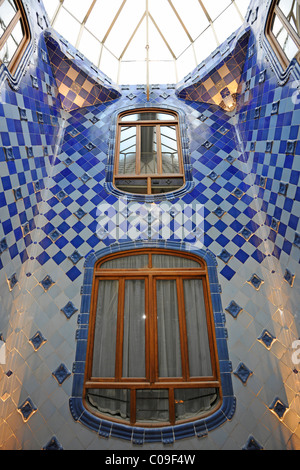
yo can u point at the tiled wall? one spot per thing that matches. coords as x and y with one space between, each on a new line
56 209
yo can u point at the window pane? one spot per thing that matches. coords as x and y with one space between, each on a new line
136 186
7 12
170 160
148 116
115 402
106 327
169 352
152 405
11 45
148 150
134 329
196 324
127 157
165 185
194 401
166 261
286 43
127 262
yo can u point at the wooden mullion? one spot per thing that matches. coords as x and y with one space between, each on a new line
287 25
10 28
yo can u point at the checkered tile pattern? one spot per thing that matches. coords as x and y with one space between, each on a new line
78 85
218 77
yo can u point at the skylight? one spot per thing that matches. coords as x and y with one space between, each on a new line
141 41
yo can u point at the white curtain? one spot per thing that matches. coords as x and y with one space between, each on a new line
197 334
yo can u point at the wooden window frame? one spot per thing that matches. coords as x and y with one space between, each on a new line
275 10
144 123
152 379
19 16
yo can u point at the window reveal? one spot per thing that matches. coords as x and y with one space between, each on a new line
148 159
151 348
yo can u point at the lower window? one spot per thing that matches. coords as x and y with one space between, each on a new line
151 348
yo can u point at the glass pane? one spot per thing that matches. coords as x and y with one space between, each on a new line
168 261
11 45
136 186
169 151
165 185
148 150
7 12
286 6
152 405
148 116
17 33
169 352
196 325
127 262
193 402
134 329
106 329
115 402
127 157
285 41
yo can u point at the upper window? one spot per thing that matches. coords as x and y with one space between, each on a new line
14 33
149 158
151 348
283 30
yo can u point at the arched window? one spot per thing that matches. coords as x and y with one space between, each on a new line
148 152
151 353
283 30
14 33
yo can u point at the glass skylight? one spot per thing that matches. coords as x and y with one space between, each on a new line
130 40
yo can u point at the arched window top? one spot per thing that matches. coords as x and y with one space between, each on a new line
148 115
151 259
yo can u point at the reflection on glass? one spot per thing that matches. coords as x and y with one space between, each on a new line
285 41
169 152
194 401
113 402
152 405
8 11
196 325
148 150
127 157
11 45
136 186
